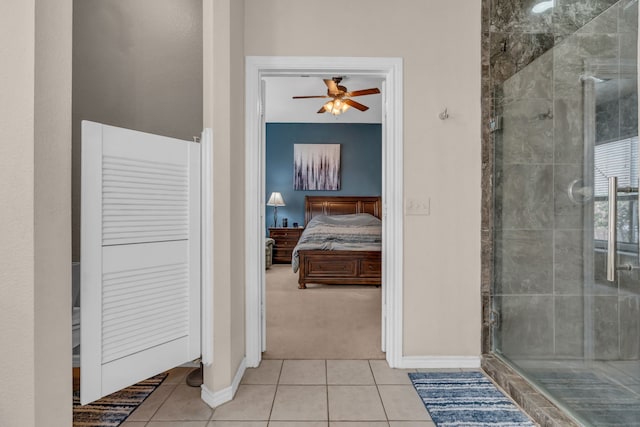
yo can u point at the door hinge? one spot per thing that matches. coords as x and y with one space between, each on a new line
494 319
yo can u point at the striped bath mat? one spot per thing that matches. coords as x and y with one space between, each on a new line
466 399
112 410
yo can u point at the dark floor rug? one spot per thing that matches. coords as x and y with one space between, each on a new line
466 399
112 410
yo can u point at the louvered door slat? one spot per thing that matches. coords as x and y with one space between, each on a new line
148 340
136 273
133 321
154 280
132 186
140 298
128 340
156 331
118 181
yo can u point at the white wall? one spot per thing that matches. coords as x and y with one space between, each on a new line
17 33
439 42
224 113
236 205
35 200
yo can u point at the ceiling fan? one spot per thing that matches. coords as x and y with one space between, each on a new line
341 99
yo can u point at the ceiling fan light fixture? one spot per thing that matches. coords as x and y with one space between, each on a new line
328 106
341 99
336 107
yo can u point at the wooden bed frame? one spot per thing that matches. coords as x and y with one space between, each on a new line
340 267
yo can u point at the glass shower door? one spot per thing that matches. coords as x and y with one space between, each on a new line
611 366
566 262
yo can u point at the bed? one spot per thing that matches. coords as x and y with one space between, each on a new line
329 266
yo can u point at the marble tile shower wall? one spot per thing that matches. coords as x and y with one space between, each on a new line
531 68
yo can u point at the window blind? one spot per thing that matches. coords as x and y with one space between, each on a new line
616 158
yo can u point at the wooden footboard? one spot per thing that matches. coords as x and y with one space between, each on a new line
339 267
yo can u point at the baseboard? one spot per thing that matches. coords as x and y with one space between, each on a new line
440 362
215 399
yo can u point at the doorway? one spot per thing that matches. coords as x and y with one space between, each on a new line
390 71
323 321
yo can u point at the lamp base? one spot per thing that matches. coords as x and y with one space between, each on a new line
275 217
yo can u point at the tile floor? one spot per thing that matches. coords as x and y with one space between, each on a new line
290 393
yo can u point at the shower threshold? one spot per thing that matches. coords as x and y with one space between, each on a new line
543 409
593 393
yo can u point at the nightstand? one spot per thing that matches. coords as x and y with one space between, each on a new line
285 240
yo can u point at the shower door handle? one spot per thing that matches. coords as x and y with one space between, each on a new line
612 232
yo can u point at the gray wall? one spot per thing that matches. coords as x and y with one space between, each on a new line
539 266
136 64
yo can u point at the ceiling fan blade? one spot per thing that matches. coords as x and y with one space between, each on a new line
371 91
310 96
355 104
332 87
322 110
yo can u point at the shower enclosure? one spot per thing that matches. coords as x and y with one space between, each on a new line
566 274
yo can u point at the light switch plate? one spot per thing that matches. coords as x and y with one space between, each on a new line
418 206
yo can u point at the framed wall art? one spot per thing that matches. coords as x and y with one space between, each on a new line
316 167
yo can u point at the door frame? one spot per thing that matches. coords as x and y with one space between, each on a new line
390 70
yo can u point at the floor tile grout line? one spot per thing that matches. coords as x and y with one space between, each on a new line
280 373
375 381
275 393
326 377
175 387
386 416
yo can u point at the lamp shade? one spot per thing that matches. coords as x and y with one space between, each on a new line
276 199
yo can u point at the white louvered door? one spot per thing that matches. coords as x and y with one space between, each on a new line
140 257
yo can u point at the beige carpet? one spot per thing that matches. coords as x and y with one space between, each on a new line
322 321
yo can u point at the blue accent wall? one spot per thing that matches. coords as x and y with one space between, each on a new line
360 162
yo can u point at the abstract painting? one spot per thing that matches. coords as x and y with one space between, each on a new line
316 166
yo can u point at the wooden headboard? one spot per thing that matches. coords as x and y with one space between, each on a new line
341 205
